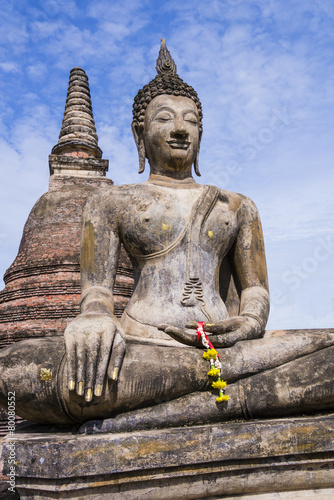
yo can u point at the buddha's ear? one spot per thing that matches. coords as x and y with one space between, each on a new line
196 164
138 134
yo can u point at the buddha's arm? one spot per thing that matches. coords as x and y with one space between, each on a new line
96 332
248 257
250 265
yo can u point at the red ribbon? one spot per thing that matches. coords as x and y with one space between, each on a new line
200 325
200 329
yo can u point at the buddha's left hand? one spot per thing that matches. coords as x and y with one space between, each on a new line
223 333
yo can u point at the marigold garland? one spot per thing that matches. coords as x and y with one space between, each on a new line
210 354
215 365
214 372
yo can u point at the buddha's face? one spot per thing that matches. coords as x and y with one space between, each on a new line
171 133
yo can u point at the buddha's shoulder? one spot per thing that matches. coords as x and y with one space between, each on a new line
236 201
120 193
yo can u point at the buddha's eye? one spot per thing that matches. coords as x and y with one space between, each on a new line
191 118
163 117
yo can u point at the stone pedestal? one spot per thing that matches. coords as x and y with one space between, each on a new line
260 459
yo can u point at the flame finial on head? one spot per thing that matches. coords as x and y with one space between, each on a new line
165 63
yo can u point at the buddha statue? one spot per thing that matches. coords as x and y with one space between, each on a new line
200 284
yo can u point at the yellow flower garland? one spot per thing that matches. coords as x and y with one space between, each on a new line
215 365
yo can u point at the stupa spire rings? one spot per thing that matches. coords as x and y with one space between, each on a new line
78 131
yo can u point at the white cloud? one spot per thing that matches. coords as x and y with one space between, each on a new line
118 11
13 32
45 29
9 67
37 71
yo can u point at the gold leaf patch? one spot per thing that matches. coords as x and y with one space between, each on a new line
46 374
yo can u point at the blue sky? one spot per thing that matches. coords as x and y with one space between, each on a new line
264 71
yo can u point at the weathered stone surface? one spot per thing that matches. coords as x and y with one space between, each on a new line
76 165
212 461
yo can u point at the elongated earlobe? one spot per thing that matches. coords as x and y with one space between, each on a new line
138 137
196 161
141 154
196 166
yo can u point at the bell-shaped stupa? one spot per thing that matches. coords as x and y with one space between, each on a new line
42 291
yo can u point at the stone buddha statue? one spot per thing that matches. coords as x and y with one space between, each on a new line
200 280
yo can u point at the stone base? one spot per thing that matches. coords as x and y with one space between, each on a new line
259 459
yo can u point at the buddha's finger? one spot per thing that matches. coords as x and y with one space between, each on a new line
226 325
192 325
208 327
181 335
231 338
105 347
91 362
162 326
81 367
71 363
116 358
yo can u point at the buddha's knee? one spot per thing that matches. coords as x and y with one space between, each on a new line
30 369
301 386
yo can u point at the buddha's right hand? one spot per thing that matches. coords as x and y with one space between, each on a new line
95 345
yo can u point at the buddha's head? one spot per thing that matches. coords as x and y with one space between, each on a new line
167 120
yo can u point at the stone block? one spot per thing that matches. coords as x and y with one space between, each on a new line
259 459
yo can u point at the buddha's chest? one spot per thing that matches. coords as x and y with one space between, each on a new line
154 224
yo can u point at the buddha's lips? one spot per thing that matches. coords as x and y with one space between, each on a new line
179 144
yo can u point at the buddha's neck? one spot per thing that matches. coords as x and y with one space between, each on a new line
163 180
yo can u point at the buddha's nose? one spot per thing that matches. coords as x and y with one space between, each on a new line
179 128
